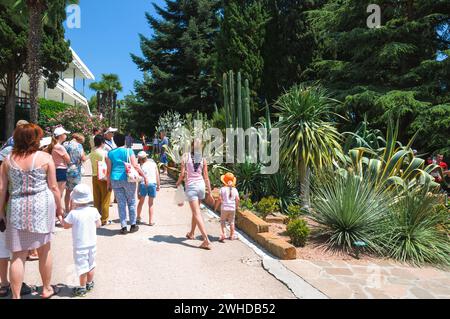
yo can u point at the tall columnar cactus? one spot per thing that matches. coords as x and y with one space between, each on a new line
236 99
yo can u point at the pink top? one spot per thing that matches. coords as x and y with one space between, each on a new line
58 152
228 202
194 176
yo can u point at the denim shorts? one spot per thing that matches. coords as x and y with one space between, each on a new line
147 190
195 191
61 174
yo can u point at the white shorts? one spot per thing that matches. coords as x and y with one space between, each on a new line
4 252
84 259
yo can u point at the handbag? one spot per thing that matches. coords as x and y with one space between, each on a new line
179 196
132 173
102 169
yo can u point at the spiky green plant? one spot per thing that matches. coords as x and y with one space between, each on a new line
308 138
283 187
416 229
348 208
249 179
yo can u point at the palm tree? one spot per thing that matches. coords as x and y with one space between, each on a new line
39 12
308 137
109 86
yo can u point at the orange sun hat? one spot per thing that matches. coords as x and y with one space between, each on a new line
228 179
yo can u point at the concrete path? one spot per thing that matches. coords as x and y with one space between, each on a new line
159 262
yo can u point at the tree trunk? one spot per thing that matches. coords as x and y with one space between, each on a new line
114 106
110 107
10 107
304 174
99 101
35 9
104 108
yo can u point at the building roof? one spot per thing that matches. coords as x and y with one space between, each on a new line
81 66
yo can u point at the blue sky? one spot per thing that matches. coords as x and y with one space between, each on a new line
108 34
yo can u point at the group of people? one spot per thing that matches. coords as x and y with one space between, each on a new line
40 189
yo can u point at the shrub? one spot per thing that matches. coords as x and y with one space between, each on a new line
49 109
246 203
298 231
417 230
282 186
293 212
348 209
77 120
267 205
250 181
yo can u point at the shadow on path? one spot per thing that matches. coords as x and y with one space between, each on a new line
170 239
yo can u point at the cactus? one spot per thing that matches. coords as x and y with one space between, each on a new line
236 99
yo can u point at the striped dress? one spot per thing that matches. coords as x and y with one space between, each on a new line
31 208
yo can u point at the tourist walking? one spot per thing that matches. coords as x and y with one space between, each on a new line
109 139
194 171
164 144
84 221
95 131
125 191
30 177
102 195
60 157
149 190
77 157
229 201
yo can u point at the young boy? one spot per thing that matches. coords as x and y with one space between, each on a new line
84 221
229 198
151 172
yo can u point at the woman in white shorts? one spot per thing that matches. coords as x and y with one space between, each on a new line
194 169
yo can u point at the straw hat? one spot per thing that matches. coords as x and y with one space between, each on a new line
228 179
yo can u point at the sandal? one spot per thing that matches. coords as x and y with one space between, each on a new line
206 247
4 291
222 239
27 289
32 258
189 236
56 291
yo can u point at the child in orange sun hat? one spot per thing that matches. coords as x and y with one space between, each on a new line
229 198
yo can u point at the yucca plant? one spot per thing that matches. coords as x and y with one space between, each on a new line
250 181
282 186
308 137
391 165
416 230
348 209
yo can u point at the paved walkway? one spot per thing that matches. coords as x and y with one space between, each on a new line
159 262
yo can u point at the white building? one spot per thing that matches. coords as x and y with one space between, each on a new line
66 90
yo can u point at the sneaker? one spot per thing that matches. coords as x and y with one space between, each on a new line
134 228
124 231
89 286
79 292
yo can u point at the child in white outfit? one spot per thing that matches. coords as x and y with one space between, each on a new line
84 221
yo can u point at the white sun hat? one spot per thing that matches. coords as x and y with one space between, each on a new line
60 131
82 194
46 141
142 154
111 130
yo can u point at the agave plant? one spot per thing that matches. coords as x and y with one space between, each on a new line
308 138
349 208
416 230
363 136
393 164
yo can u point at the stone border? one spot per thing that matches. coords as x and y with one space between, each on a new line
255 228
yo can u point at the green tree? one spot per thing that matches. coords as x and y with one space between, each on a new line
108 86
41 14
308 137
55 54
179 58
400 69
241 40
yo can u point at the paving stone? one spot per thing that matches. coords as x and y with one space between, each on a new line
421 293
321 263
352 280
339 271
304 269
403 273
332 288
377 293
395 291
401 281
358 292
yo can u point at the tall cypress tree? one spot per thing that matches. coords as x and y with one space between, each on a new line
241 40
400 69
179 58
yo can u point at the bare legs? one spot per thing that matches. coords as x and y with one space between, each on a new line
87 277
140 206
67 200
45 269
197 220
150 210
62 187
16 272
4 272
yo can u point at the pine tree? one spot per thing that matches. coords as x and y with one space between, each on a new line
400 69
179 58
241 40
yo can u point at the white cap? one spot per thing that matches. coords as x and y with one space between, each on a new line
142 154
60 131
82 194
45 142
111 130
